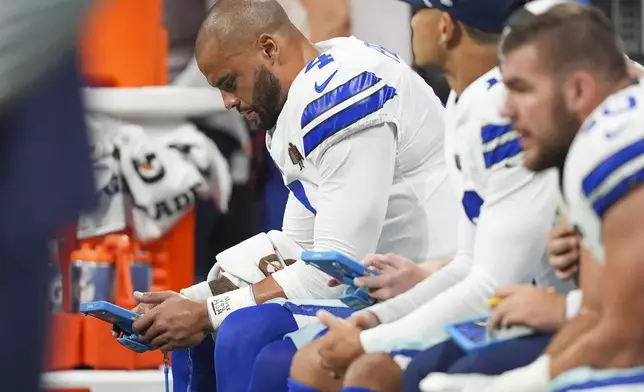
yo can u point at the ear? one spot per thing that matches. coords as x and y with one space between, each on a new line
579 90
270 51
446 29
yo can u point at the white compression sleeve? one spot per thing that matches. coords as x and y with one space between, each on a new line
507 250
436 283
298 223
298 226
351 207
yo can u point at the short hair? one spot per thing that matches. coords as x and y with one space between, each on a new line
238 22
482 37
571 36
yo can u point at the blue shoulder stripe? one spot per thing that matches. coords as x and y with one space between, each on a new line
502 152
346 117
603 203
591 184
599 174
338 95
298 191
493 134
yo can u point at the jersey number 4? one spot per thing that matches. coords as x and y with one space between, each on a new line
325 59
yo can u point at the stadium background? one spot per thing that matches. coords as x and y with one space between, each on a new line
150 43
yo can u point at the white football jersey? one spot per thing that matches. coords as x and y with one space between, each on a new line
488 151
514 210
495 181
605 161
355 86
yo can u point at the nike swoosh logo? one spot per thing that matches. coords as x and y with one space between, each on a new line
321 87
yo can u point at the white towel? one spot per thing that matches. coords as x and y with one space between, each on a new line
203 153
287 250
250 261
109 215
240 263
256 258
163 175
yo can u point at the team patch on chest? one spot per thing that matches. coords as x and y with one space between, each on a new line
295 155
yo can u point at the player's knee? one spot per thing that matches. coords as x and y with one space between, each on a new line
235 325
279 353
304 361
237 332
271 367
255 325
306 368
374 371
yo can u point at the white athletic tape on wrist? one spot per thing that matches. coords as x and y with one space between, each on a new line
220 306
199 291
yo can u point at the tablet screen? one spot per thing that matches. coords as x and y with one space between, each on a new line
474 332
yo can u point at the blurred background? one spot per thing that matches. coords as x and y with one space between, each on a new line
119 154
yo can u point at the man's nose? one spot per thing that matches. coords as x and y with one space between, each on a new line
230 100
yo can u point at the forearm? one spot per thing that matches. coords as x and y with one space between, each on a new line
572 331
447 276
405 303
586 297
590 276
596 343
267 290
434 265
426 324
601 336
588 315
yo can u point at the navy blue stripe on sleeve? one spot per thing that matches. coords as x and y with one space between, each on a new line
614 177
346 117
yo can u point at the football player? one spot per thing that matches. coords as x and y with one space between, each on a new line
358 137
513 208
577 109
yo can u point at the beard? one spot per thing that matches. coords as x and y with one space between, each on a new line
555 145
267 98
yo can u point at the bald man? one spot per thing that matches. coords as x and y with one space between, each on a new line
358 137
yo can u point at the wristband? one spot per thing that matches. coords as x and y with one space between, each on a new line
220 306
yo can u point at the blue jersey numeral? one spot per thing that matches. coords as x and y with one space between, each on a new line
491 82
322 61
629 105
